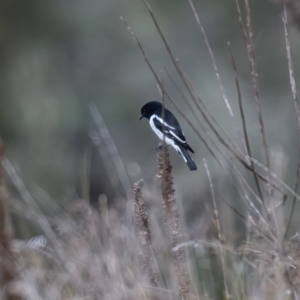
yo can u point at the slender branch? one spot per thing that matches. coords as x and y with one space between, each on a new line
248 149
31 203
112 149
214 64
274 176
254 75
218 225
296 104
294 10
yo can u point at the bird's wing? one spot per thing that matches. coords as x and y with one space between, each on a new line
172 128
173 132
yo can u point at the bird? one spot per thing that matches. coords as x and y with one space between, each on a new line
166 126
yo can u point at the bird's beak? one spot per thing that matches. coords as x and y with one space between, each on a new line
141 117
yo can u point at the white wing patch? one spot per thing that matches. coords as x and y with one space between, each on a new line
167 126
167 140
162 122
177 138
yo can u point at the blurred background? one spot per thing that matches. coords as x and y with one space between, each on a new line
57 57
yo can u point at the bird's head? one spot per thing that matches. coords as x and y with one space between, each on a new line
149 109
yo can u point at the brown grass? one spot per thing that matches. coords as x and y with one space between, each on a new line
172 220
143 231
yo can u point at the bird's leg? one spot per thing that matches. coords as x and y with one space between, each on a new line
160 145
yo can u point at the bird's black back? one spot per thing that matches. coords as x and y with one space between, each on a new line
171 119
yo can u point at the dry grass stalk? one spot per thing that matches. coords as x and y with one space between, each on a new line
213 61
296 246
218 225
245 131
214 64
172 221
286 187
7 264
111 149
248 35
295 253
296 104
277 272
143 230
30 202
294 10
251 58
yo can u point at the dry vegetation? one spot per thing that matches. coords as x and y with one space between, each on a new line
86 253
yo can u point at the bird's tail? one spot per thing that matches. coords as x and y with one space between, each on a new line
187 158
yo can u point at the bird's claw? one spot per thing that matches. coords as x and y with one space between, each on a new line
159 146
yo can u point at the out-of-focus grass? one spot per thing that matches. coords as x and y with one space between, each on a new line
98 254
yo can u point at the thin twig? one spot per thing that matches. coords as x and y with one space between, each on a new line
296 104
214 64
210 149
232 208
254 75
293 7
248 34
238 8
104 154
274 176
251 206
30 202
112 149
221 239
248 149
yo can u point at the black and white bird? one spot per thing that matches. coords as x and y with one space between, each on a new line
173 133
